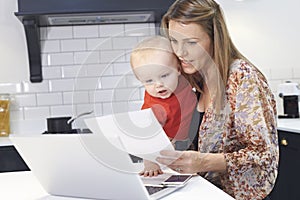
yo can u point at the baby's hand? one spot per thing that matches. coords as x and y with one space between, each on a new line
150 169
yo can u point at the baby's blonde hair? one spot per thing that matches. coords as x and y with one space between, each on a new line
150 45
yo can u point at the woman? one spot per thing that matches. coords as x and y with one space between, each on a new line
238 148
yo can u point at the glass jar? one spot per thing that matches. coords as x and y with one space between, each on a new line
4 114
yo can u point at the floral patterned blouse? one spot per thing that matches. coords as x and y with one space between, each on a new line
247 135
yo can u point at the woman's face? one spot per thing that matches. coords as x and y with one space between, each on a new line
191 44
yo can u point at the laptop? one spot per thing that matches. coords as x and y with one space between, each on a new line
85 166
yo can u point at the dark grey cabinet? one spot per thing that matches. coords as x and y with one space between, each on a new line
10 160
287 183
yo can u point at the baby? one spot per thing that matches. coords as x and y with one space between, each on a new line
166 91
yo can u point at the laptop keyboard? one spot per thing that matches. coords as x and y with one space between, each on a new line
154 189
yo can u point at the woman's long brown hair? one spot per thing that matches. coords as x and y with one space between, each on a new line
208 14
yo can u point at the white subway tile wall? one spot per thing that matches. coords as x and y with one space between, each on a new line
17 114
86 57
76 97
84 68
60 59
33 88
87 68
10 88
53 72
24 100
99 70
73 45
121 68
61 110
113 30
62 32
36 112
28 126
50 46
101 96
72 71
85 31
61 85
99 43
49 99
112 56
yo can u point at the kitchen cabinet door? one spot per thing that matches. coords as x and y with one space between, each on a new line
287 183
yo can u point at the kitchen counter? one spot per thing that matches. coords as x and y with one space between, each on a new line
290 125
24 185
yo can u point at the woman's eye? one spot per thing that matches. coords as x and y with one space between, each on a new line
192 43
173 41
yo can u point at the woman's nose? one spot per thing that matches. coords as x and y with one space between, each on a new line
180 51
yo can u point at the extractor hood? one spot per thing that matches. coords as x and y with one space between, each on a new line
38 13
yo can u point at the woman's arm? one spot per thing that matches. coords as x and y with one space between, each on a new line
251 146
192 161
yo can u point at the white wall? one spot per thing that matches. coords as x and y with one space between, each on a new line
267 32
13 53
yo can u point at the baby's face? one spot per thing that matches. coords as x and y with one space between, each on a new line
158 73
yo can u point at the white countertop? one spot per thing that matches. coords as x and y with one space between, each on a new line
291 125
24 186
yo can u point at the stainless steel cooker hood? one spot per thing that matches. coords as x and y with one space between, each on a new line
38 13
103 18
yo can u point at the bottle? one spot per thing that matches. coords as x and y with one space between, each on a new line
4 114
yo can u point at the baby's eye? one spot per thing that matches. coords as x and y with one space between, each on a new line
148 81
165 75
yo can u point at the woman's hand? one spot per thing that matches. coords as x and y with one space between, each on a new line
190 162
151 169
187 162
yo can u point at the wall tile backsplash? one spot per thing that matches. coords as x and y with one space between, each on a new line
87 68
84 68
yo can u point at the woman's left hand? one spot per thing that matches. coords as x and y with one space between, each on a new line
187 162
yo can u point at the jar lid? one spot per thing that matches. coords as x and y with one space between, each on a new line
5 96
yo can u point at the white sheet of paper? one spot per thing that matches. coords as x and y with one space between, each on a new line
139 132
